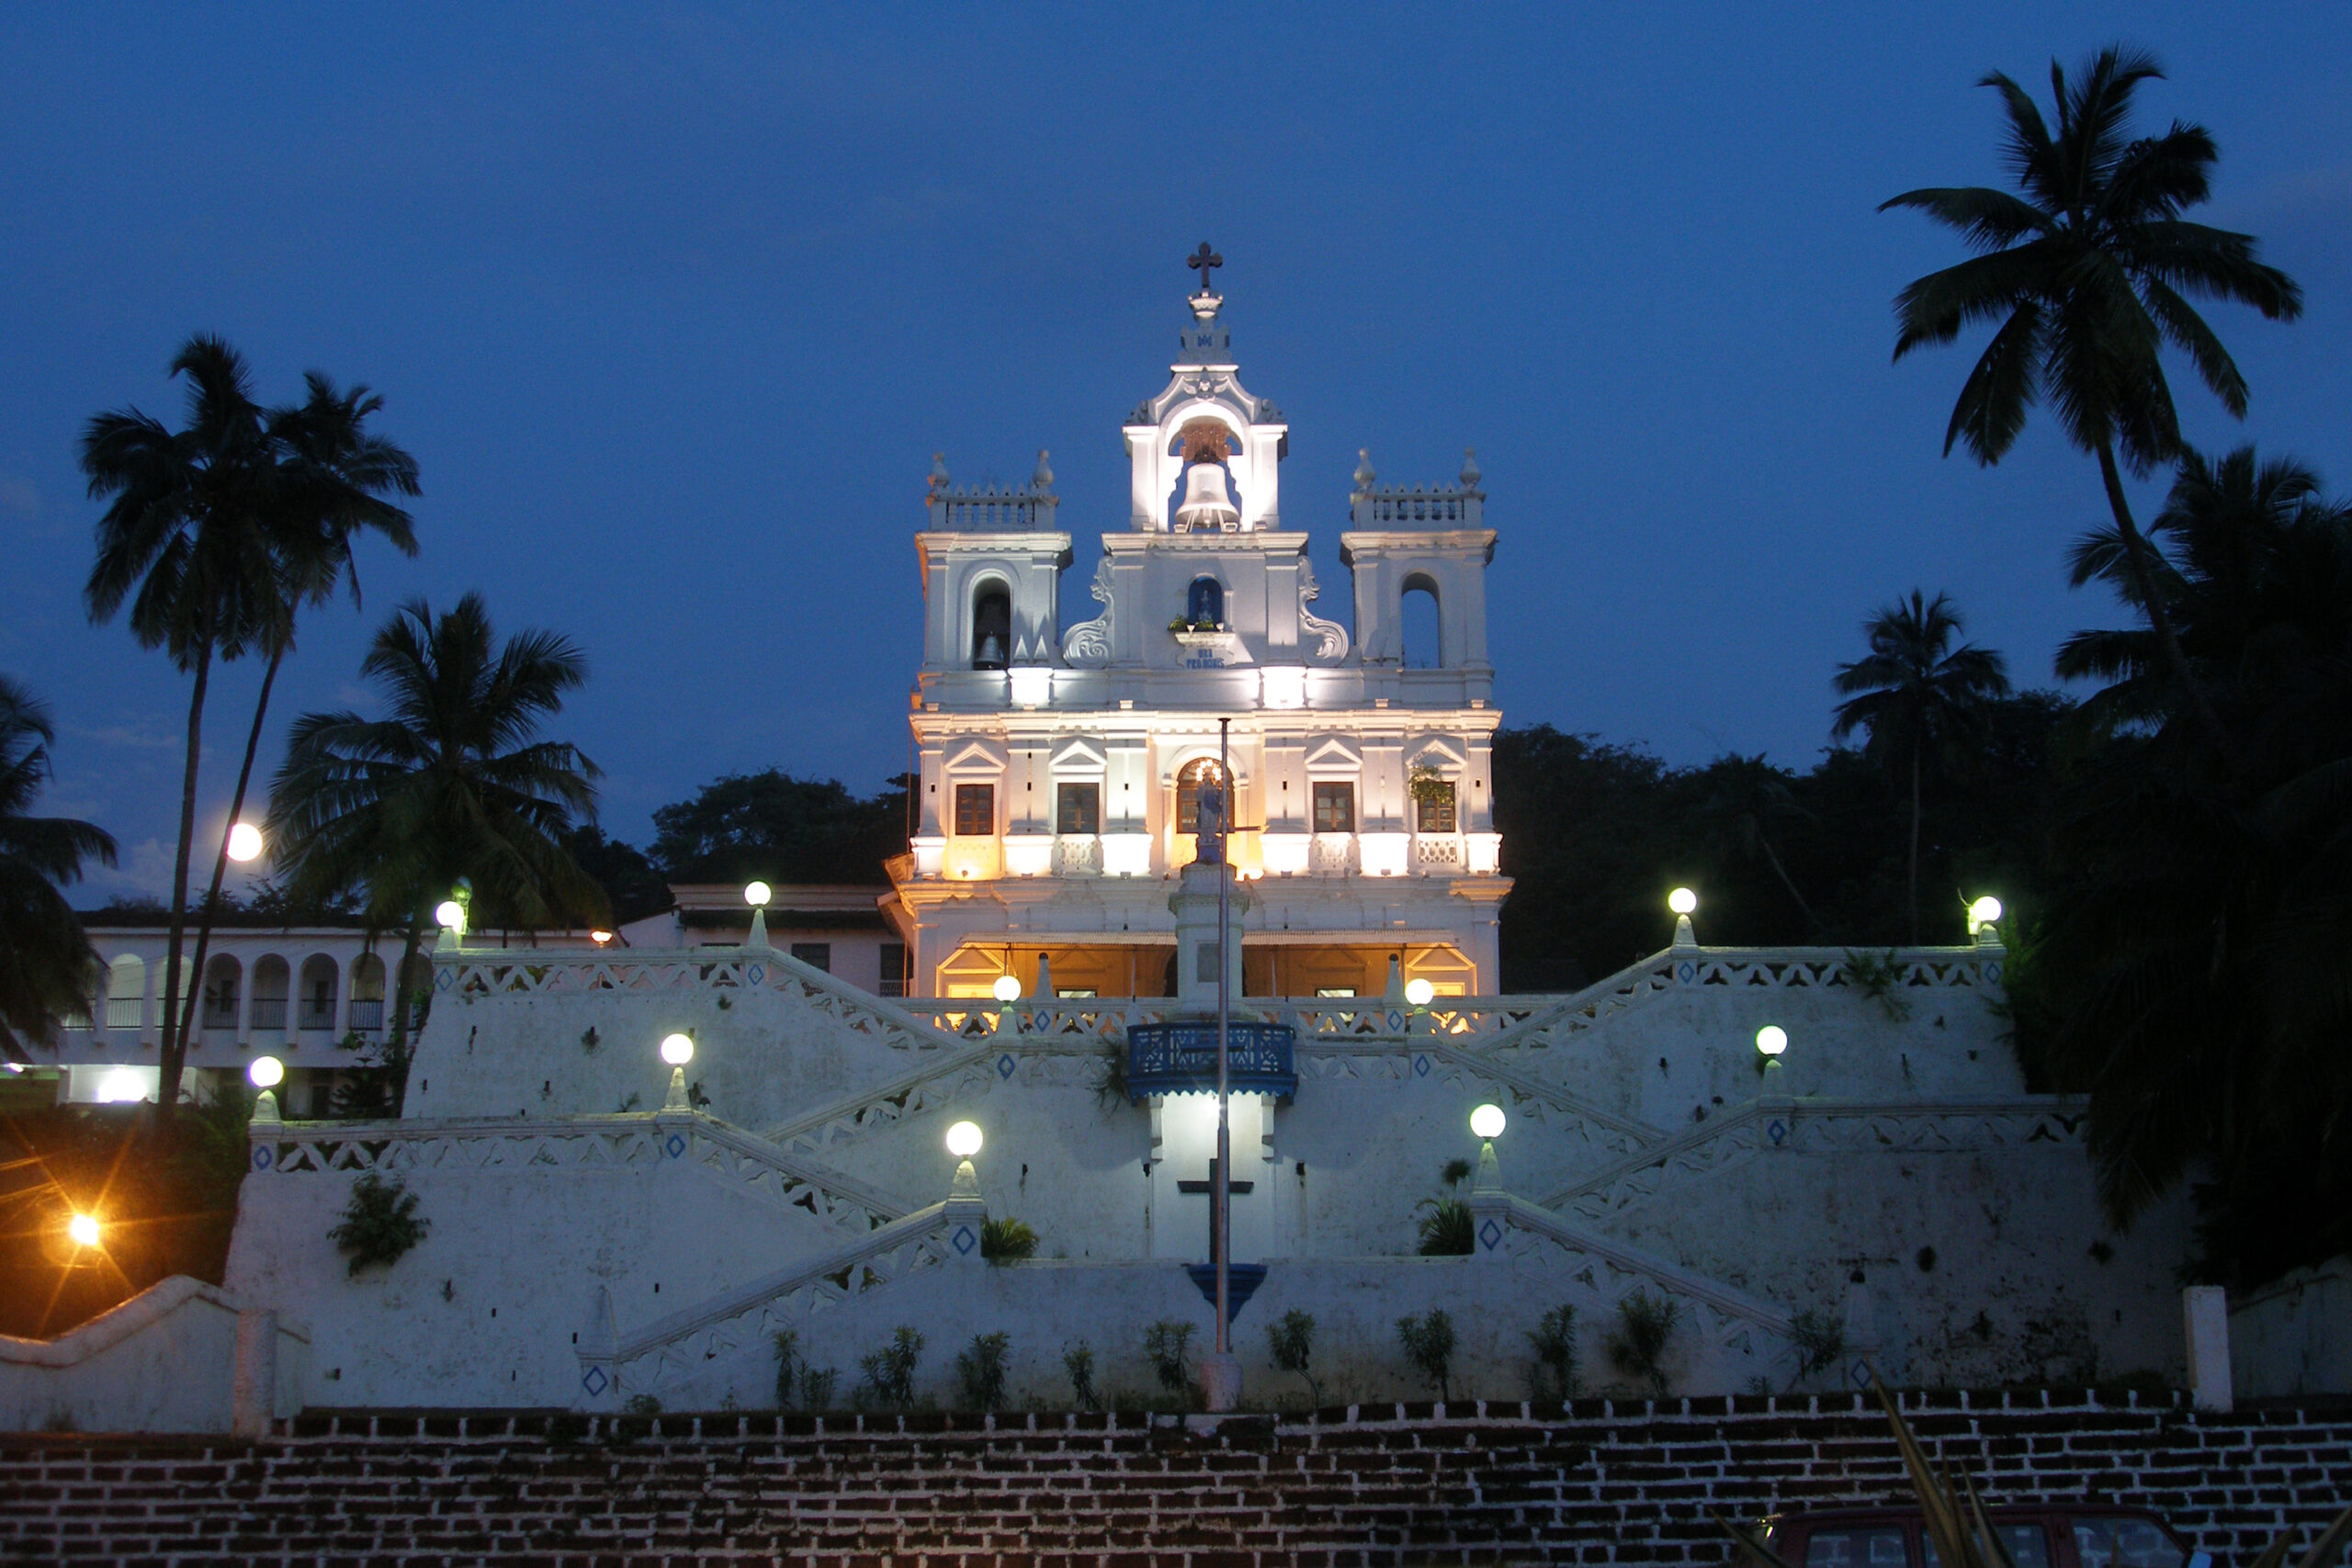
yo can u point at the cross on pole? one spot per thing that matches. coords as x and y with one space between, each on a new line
1202 260
1208 1189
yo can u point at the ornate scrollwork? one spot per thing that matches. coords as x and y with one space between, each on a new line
1325 641
1088 642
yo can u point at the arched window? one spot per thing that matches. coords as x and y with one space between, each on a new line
125 992
222 977
1205 600
991 627
1420 625
1188 791
271 980
367 1011
315 1008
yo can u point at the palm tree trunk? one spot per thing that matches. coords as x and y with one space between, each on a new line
2136 555
1781 871
172 1050
1917 744
397 1053
220 858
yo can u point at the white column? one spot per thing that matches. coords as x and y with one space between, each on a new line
2205 1309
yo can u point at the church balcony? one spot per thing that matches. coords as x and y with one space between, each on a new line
1381 855
1438 854
1180 1059
1078 854
1028 854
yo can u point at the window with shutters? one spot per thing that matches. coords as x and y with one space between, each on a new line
975 810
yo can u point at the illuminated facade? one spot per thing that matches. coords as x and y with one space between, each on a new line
1060 766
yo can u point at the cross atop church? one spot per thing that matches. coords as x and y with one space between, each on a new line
1201 261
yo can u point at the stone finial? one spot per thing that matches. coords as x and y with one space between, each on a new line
1365 476
938 471
759 934
1490 1170
1044 991
1043 480
1394 992
676 1099
967 1182
266 1106
1470 471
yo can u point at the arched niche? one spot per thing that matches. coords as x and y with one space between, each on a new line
1421 623
991 623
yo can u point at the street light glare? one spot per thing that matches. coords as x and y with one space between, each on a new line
757 893
1007 987
964 1139
449 915
1418 991
1771 1040
678 1050
244 842
1985 910
1486 1121
82 1229
268 1072
1682 901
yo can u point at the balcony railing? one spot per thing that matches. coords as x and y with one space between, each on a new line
268 1012
125 1012
318 1012
366 1016
1180 1058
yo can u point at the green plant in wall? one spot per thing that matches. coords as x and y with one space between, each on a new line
1819 1342
589 1039
1428 1345
1006 1241
1637 1346
889 1372
379 1224
1078 1360
1290 1339
1879 976
1167 1344
1111 1083
814 1384
1428 786
980 1368
1554 1340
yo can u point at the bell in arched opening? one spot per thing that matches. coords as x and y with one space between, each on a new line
1208 506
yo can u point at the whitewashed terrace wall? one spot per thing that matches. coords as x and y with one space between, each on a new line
1638 1118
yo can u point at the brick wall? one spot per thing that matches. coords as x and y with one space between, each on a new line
1594 1482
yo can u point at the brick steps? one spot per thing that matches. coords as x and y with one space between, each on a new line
1593 1483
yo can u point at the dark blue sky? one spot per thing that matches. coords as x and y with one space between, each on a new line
674 304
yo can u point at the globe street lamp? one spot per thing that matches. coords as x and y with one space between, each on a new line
677 1049
1486 1126
1684 903
757 893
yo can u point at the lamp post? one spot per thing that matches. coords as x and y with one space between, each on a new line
757 893
1221 1187
1983 916
1682 901
677 1049
266 1073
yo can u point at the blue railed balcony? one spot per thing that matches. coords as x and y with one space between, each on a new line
1180 1059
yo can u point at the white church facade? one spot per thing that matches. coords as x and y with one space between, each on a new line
606 1227
1060 767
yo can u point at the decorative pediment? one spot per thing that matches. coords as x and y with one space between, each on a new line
975 757
1080 754
1333 754
1442 752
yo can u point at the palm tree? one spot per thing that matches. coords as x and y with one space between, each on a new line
2089 272
2249 569
450 786
1746 796
186 541
328 484
47 967
1916 695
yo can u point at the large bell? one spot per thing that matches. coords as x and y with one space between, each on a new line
1205 508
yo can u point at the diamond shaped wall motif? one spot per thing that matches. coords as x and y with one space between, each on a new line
676 1145
444 980
594 1382
264 1157
1420 1067
1861 1372
1489 1234
965 1241
1685 972
756 974
1777 1132
1005 1065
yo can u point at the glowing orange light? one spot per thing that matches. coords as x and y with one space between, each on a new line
84 1229
600 937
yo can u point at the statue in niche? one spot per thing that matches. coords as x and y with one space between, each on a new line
1211 830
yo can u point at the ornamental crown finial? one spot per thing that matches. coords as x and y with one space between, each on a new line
1043 477
939 470
1470 471
1365 476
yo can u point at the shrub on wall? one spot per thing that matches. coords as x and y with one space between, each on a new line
1167 1344
1819 1341
889 1372
1428 1345
1289 1340
793 1371
1078 1360
379 1224
1006 1241
1554 1340
1637 1345
980 1367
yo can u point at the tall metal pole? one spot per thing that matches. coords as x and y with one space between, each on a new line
1222 1185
